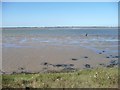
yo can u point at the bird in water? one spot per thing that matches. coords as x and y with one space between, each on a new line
86 34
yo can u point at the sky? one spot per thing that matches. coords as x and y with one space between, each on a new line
36 14
60 0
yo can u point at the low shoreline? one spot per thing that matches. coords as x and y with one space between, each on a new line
65 70
59 27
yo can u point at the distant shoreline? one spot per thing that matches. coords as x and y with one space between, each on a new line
62 27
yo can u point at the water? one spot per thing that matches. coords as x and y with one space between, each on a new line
60 32
97 39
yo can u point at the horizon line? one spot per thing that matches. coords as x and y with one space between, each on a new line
51 26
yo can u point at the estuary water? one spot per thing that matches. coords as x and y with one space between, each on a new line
97 39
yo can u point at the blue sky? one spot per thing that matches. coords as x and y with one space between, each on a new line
59 14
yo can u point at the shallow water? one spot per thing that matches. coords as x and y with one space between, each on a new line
97 39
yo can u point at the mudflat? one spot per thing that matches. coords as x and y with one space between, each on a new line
59 49
48 57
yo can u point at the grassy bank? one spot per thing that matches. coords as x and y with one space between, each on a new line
94 78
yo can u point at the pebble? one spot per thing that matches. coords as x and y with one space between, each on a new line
87 65
74 59
107 57
100 53
85 57
103 51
